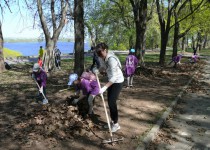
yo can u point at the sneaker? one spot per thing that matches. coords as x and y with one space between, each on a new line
111 124
75 101
115 127
45 101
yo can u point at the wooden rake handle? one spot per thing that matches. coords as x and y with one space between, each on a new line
107 117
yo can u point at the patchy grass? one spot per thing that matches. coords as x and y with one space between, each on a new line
205 52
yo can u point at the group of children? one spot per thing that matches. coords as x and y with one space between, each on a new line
57 56
87 82
90 88
177 59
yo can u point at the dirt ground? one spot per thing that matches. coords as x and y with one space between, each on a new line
26 124
187 126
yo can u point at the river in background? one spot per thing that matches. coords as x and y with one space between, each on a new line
32 48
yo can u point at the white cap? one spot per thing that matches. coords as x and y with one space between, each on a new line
72 78
36 67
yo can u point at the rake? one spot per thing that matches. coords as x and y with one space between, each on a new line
111 140
39 89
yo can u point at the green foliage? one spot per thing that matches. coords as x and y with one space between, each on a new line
10 53
200 22
153 32
111 22
120 46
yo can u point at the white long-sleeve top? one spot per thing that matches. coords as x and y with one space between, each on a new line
113 68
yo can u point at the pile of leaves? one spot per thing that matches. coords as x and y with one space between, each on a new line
54 121
144 71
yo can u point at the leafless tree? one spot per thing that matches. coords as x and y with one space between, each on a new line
2 67
3 5
56 21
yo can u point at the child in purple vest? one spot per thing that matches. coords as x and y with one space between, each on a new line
194 58
176 60
41 78
89 86
130 67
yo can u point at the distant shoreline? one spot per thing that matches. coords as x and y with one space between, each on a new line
32 48
17 40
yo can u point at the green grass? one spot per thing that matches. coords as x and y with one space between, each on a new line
151 57
205 52
148 58
10 53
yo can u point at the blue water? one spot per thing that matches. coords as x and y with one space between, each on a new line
32 48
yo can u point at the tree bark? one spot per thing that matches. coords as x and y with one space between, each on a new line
183 44
140 17
176 37
91 33
79 36
164 41
2 66
165 28
205 41
199 41
131 41
193 43
187 42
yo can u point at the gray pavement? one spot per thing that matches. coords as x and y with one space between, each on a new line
189 129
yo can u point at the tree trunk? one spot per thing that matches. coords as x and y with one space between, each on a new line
2 66
131 42
138 39
143 26
205 41
164 28
193 43
49 60
187 42
164 41
79 36
176 38
91 33
199 41
183 44
140 17
96 38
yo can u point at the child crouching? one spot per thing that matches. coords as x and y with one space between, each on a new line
89 86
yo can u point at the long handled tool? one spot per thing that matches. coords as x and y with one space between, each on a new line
39 89
107 117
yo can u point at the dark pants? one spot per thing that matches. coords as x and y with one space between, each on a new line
57 61
113 93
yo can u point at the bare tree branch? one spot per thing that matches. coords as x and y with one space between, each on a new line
53 14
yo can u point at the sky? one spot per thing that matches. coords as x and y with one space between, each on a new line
20 25
15 25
